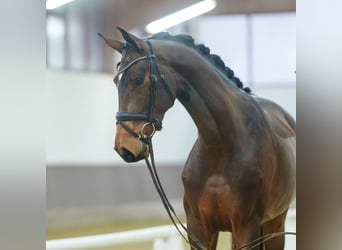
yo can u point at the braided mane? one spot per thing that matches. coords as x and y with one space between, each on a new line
205 52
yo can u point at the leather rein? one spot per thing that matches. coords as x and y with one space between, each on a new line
146 139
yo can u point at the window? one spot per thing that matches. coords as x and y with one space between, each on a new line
55 35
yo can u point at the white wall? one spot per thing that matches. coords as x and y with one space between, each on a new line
80 121
80 118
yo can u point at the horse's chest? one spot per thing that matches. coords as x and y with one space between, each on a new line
208 193
213 200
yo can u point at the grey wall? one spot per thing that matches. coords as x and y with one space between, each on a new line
89 186
93 195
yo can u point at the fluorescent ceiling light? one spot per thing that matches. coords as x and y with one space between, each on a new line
52 4
181 16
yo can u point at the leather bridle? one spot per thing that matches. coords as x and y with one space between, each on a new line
155 78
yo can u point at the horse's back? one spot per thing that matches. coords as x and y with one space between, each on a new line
281 121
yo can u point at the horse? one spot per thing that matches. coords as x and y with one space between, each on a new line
240 174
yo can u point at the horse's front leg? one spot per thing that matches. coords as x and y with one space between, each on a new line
207 239
200 237
274 226
246 232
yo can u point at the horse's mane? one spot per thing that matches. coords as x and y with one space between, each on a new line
205 52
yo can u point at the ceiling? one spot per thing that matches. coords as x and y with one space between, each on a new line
105 15
135 14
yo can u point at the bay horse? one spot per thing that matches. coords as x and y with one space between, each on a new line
240 174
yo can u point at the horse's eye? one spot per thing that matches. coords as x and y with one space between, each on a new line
138 81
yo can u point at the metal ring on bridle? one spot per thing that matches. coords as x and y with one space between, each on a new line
143 135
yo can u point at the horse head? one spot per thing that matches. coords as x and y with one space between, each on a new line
146 91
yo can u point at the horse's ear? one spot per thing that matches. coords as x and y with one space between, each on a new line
118 46
130 39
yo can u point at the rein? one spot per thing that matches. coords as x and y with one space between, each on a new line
167 205
146 139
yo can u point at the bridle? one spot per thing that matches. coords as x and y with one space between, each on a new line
155 78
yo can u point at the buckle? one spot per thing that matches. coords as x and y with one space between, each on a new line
142 133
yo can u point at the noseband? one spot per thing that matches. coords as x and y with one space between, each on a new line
155 78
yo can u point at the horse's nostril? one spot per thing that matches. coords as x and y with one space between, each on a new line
128 155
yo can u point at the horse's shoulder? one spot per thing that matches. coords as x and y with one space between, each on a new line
281 121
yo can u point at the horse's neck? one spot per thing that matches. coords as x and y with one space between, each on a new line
215 105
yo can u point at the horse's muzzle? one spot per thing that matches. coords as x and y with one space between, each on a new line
128 156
